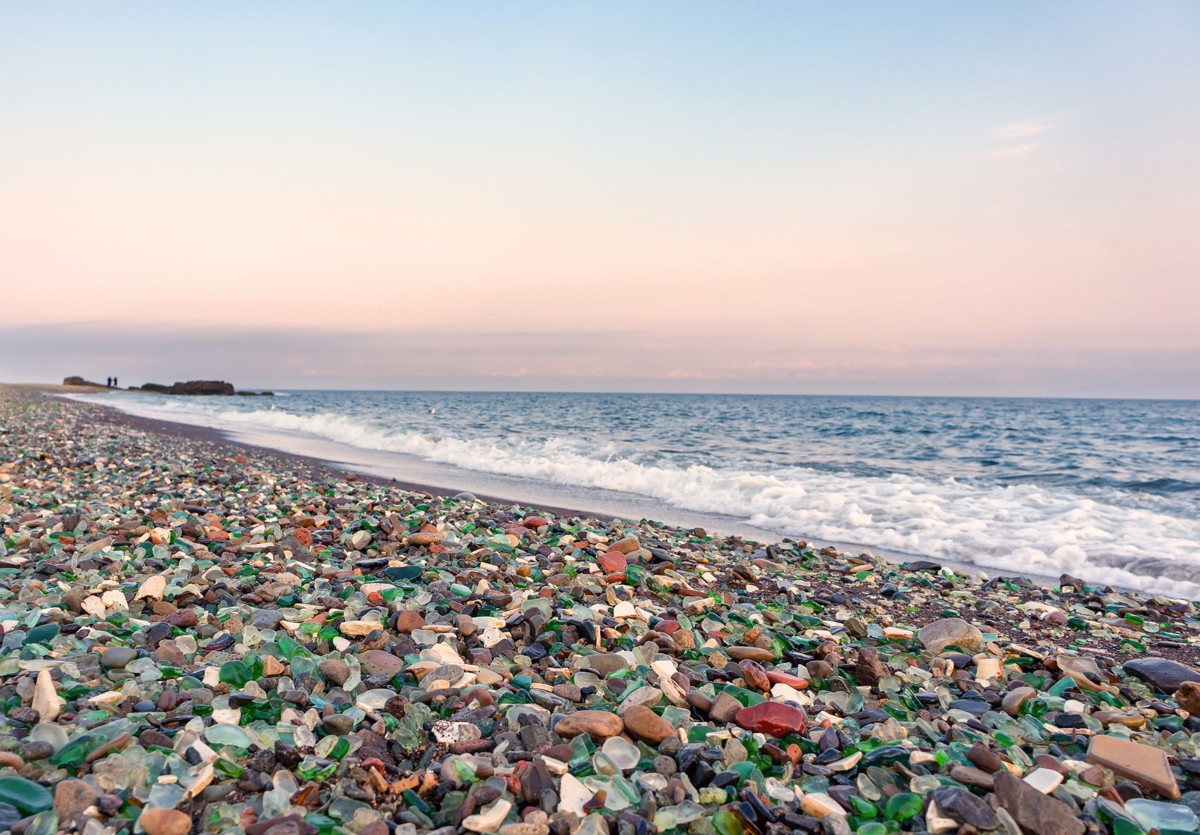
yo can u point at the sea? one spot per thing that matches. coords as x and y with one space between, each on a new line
1104 490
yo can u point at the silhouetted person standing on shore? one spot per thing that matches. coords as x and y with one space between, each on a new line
108 383
115 383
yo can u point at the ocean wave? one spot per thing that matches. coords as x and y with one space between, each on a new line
1018 527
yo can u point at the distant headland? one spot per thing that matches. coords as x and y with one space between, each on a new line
218 388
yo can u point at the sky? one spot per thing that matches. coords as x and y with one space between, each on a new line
870 198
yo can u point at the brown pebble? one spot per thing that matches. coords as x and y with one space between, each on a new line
165 822
984 759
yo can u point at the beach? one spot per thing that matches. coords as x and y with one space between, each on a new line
208 636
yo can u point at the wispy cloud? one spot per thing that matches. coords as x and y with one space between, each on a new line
1017 138
1026 128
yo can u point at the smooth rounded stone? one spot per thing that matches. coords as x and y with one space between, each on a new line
700 700
1013 699
165 822
569 692
772 718
46 700
940 634
724 708
339 724
335 671
750 654
624 755
424 539
408 621
598 724
612 562
524 828
1050 762
1188 697
36 750
448 673
819 668
548 700
975 707
792 680
964 807
72 797
984 759
115 658
378 662
605 663
266 618
1162 674
644 724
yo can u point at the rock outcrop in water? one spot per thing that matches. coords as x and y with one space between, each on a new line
204 388
79 381
193 387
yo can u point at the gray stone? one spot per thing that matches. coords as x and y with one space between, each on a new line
1165 676
1035 812
266 618
950 632
115 658
964 807
606 663
335 671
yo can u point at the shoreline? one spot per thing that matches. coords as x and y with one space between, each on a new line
168 427
305 649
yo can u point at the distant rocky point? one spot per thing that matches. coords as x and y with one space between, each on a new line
192 387
202 387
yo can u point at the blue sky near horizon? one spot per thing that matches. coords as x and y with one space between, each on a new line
924 198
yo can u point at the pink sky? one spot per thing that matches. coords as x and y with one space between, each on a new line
803 218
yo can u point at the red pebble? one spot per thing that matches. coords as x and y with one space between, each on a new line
780 677
612 562
772 718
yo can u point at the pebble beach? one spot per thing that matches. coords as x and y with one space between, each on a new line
200 636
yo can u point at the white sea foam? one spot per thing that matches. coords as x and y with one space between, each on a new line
1020 528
